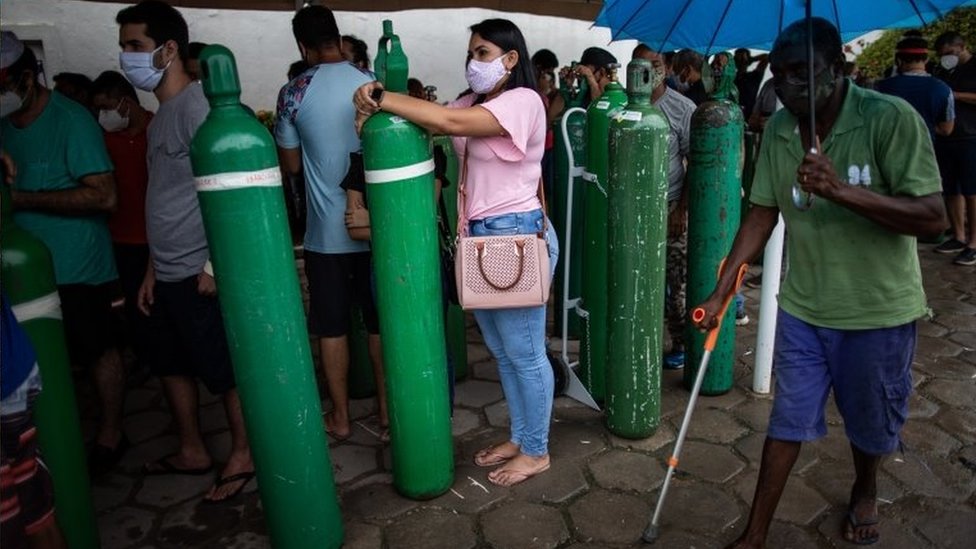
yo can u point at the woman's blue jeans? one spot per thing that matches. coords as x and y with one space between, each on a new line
517 340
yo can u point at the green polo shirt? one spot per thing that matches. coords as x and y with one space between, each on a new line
845 271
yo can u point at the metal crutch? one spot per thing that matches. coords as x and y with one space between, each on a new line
651 532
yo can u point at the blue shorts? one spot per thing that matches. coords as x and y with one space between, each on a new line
869 371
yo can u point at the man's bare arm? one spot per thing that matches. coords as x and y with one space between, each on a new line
95 195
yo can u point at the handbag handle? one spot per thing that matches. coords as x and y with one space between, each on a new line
462 219
520 244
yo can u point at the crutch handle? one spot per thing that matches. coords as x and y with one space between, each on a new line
699 314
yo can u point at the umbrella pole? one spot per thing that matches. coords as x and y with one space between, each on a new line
810 75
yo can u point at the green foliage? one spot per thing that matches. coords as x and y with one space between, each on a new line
880 54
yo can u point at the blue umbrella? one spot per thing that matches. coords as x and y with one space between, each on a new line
718 25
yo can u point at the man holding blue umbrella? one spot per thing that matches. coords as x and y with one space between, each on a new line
853 291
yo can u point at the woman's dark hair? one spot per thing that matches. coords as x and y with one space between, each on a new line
360 52
113 84
545 60
504 34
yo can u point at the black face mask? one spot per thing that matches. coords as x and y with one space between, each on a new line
794 92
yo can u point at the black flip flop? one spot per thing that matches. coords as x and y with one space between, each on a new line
852 521
164 466
246 476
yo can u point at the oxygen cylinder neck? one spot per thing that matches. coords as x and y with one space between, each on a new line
640 80
220 81
391 63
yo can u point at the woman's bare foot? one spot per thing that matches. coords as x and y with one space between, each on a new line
861 522
335 429
496 455
519 469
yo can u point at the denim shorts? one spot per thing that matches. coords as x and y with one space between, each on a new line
868 370
519 223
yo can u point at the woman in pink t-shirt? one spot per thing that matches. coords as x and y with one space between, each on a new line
500 129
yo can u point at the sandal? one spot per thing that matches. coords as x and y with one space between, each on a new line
490 457
851 524
246 477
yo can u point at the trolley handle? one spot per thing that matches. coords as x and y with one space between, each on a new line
699 313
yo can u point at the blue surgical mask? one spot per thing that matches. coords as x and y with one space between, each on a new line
140 69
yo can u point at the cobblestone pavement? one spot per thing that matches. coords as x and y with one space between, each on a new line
601 488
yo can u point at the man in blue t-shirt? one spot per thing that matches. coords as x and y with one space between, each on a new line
315 131
931 97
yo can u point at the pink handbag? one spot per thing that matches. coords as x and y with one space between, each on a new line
500 272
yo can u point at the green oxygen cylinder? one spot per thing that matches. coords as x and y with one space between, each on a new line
238 182
714 190
636 236
28 280
400 189
593 339
457 343
570 140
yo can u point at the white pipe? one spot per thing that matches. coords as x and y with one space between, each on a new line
568 305
768 307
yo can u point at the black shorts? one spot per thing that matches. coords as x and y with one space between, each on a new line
335 281
957 165
86 311
186 336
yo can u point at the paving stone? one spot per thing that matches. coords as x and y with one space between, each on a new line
187 524
138 399
478 353
679 539
945 368
949 528
727 401
953 392
834 481
565 408
365 432
360 535
959 423
165 490
608 517
967 457
246 540
952 306
709 462
799 504
784 535
111 490
475 394
664 436
561 483
125 526
524 525
463 421
921 407
350 461
143 426
497 414
751 446
206 398
892 533
695 506
576 440
966 339
926 438
377 501
931 329
431 528
213 418
834 447
628 471
754 412
471 491
486 371
712 426
936 346
932 476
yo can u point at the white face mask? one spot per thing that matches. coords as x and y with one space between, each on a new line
484 76
140 69
111 121
10 103
949 62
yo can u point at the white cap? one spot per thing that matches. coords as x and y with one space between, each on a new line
11 48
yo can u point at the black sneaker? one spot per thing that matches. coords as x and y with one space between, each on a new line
951 246
966 257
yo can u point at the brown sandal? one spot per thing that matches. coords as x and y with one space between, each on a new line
489 457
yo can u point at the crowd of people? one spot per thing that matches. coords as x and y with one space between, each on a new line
107 185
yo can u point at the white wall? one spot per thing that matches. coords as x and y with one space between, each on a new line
83 37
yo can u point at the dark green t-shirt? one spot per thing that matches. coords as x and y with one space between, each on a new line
845 271
53 153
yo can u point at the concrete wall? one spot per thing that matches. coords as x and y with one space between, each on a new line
83 37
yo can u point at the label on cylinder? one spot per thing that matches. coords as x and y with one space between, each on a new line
603 105
633 116
269 177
